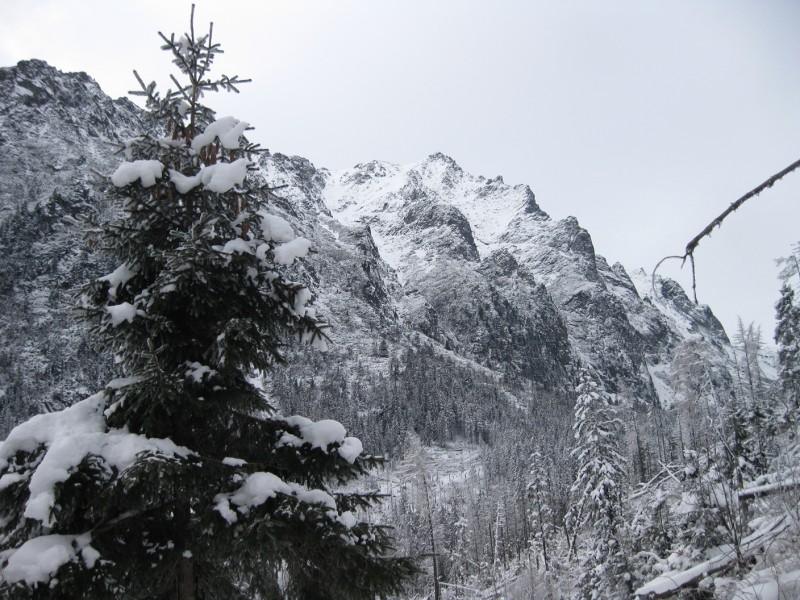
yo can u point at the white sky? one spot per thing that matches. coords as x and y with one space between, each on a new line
643 119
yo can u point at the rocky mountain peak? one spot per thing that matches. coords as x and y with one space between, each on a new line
298 184
55 127
443 159
442 170
37 83
442 227
433 219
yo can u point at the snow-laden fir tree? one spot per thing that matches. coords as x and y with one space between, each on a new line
179 480
594 519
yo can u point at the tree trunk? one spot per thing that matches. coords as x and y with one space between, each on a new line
185 576
437 590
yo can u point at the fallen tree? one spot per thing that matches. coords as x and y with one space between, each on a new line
669 584
768 489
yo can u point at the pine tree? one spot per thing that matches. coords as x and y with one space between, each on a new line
179 480
597 494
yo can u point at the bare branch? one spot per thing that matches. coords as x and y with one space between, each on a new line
653 276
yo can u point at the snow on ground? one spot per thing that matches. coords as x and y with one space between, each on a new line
768 585
445 466
722 560
659 374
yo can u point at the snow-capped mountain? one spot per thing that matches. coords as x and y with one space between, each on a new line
464 240
459 287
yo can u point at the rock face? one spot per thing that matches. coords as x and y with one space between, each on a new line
55 130
455 300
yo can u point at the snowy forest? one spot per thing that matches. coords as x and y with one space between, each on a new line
230 373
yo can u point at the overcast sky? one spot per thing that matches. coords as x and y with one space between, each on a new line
643 119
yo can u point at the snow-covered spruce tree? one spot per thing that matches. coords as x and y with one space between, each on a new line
540 513
596 509
787 337
179 480
699 522
748 421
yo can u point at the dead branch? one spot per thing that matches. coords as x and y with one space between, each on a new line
692 245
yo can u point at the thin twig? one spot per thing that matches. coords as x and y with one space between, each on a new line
653 276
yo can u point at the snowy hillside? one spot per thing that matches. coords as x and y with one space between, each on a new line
55 130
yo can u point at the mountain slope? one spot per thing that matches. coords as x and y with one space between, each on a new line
413 261
55 131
